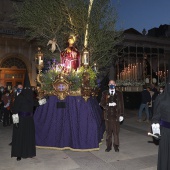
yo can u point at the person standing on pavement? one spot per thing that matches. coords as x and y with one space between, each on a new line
6 99
1 103
23 137
161 126
156 92
150 103
161 90
145 100
15 93
113 105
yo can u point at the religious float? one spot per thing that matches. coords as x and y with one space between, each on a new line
72 117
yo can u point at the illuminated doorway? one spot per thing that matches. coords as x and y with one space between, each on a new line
12 72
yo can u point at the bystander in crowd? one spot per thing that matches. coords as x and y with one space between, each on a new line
145 100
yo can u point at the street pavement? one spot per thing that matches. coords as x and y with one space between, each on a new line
137 152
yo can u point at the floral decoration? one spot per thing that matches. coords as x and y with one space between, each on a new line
74 77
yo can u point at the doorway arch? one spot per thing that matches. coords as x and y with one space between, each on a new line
12 71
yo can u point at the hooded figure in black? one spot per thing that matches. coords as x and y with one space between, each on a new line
161 117
23 138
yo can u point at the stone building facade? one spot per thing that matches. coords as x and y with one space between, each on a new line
17 55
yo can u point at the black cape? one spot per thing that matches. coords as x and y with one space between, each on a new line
162 113
23 138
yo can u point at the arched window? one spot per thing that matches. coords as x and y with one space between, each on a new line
8 63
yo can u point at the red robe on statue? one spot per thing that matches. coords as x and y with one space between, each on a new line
70 57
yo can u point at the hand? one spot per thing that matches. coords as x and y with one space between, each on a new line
42 101
15 118
112 104
121 118
7 105
156 129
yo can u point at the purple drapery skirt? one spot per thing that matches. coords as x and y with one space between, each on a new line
77 126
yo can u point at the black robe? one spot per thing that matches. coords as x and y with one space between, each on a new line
23 138
162 115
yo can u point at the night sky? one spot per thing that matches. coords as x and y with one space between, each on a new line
140 14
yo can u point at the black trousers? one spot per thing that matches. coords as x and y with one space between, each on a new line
6 119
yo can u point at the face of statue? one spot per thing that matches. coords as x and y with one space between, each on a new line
71 41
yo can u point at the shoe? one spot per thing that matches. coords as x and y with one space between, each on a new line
139 120
116 147
18 158
107 150
10 144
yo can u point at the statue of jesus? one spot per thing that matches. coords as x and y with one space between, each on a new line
70 57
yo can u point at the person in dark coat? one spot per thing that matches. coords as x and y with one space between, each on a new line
6 99
161 119
23 138
156 93
1 103
113 105
145 100
14 94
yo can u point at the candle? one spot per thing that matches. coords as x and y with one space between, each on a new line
140 68
40 61
95 68
130 73
135 73
84 58
117 76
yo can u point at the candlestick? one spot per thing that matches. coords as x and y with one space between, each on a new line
95 67
140 72
135 73
40 61
85 59
117 76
